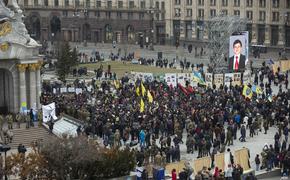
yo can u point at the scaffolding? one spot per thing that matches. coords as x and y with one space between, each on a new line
220 28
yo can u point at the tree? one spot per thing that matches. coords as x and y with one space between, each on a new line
71 158
67 59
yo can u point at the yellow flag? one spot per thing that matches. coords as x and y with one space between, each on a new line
117 84
142 106
143 90
150 98
247 92
138 91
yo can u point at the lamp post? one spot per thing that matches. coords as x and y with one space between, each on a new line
4 148
151 13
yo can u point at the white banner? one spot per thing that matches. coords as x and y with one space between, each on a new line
208 79
247 77
170 79
237 79
48 112
228 78
71 89
183 77
63 90
218 80
79 91
144 76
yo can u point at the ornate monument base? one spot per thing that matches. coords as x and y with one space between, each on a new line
19 63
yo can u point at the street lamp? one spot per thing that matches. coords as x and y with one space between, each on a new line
151 13
4 148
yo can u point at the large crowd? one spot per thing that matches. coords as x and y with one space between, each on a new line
211 119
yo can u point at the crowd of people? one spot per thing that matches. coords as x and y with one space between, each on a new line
207 120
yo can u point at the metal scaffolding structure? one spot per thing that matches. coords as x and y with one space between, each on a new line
220 28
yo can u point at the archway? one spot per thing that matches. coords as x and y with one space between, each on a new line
35 27
108 33
55 26
6 91
86 32
130 34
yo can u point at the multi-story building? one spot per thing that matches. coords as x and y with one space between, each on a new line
123 21
268 20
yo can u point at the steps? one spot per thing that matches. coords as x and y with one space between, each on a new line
26 136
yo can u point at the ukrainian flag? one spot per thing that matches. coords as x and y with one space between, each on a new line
198 78
247 92
143 90
257 89
142 106
150 98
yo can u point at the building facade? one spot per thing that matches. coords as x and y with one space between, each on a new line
123 21
268 20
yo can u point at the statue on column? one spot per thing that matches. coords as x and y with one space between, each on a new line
12 28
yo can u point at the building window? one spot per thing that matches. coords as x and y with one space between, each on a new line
188 2
109 4
97 14
262 3
236 12
108 15
45 2
56 3
249 3
200 13
237 3
64 13
157 16
143 4
141 16
177 2
200 2
36 3
225 12
288 3
249 15
98 4
131 4
262 15
212 2
119 15
177 12
130 15
212 13
120 4
189 12
275 16
162 16
224 3
275 3
77 3
66 3
162 5
157 5
88 3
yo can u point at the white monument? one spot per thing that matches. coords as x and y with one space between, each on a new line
19 62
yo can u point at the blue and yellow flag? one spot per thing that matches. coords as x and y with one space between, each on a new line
142 106
257 89
198 78
247 92
138 91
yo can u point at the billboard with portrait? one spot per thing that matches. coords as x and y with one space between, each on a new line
238 52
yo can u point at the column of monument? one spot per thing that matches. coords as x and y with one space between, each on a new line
22 86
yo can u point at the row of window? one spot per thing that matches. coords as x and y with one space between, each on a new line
237 3
118 15
96 3
249 14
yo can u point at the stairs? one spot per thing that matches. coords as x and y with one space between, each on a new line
26 136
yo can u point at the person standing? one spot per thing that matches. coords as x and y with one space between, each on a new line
257 162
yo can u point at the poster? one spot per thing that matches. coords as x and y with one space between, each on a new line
218 80
71 89
237 79
228 78
170 79
208 79
183 77
247 77
143 76
238 51
63 90
79 91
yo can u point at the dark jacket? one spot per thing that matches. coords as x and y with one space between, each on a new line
242 63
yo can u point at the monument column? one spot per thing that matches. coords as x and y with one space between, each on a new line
22 86
32 87
38 86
